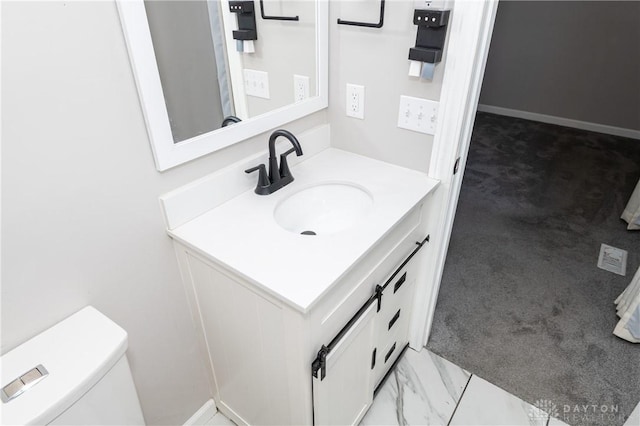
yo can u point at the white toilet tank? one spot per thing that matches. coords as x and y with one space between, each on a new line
81 376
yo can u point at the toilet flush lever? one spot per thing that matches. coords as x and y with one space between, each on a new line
23 383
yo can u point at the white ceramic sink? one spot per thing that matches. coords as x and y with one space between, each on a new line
323 209
351 202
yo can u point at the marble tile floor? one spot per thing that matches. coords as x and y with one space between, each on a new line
426 389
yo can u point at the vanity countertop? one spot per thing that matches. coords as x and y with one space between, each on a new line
243 236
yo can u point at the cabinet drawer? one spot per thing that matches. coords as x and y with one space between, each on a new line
399 288
392 328
390 324
396 304
387 355
358 285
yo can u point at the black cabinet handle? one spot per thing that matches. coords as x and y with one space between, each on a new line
394 319
399 283
388 355
373 358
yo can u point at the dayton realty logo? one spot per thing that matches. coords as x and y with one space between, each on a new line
545 408
591 413
542 409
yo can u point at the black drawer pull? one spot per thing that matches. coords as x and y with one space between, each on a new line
373 358
399 283
388 355
394 319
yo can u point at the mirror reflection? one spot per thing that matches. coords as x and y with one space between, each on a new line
209 78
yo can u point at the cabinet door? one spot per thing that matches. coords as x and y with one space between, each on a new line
346 392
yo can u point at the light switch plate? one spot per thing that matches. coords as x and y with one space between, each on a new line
256 83
419 115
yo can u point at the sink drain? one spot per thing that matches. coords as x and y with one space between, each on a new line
308 233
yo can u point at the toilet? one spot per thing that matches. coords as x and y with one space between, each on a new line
75 373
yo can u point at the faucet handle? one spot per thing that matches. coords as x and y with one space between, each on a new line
263 179
284 165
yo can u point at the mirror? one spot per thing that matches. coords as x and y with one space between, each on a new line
192 74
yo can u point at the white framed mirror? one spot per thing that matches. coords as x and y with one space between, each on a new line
189 82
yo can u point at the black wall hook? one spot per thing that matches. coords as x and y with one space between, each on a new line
367 24
277 18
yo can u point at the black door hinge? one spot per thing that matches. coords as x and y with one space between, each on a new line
455 166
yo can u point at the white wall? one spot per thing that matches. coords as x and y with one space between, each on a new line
283 48
571 59
378 60
81 222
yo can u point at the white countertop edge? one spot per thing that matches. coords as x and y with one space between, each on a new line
306 303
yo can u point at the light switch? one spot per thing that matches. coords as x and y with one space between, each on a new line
419 115
256 83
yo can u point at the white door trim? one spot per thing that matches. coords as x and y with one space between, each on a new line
468 47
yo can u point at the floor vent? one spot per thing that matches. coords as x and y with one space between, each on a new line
613 259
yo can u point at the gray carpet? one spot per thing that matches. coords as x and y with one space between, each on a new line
522 303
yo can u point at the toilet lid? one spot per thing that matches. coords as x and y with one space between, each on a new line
76 353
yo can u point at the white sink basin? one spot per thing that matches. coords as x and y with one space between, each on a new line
351 202
323 209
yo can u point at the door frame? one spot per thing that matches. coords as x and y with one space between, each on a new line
468 47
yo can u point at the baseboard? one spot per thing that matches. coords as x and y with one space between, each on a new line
203 415
567 122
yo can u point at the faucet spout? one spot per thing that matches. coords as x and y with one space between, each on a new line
287 134
278 176
274 173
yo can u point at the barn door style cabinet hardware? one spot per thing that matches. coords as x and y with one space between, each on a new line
365 350
275 363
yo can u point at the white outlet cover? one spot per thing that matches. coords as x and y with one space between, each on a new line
300 87
355 101
417 114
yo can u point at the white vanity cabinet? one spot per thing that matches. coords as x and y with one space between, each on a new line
348 370
343 396
297 329
264 354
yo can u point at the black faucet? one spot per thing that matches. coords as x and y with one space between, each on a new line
277 176
232 119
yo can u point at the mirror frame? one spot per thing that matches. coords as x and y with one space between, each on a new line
168 154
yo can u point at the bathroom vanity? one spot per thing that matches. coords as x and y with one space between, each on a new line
300 328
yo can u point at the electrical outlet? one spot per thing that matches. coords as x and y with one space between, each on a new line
355 101
256 83
419 115
300 87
